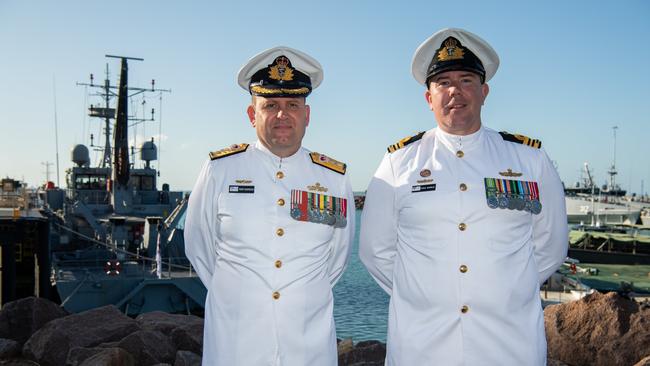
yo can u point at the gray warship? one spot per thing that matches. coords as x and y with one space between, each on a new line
115 238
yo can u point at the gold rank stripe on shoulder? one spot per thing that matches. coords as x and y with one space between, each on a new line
231 150
327 162
521 139
405 141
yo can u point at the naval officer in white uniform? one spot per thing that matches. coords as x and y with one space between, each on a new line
269 226
462 224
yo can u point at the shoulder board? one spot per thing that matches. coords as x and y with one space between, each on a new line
231 150
405 141
327 162
521 139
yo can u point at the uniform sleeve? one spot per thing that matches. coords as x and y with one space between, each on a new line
200 224
550 228
342 239
378 236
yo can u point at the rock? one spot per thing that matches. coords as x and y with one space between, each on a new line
110 357
599 329
552 362
187 358
644 362
9 348
345 346
21 318
77 355
165 322
149 347
189 338
365 353
18 362
49 346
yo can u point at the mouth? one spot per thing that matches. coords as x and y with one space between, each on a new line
456 106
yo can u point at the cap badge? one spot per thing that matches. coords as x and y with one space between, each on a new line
450 50
280 69
425 173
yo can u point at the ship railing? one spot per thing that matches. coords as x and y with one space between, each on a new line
171 263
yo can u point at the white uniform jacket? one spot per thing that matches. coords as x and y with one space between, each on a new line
464 277
269 276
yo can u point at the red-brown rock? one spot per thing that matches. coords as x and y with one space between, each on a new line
600 329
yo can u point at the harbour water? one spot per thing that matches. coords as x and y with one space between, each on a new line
360 305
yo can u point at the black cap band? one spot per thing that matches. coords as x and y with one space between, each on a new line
280 79
452 56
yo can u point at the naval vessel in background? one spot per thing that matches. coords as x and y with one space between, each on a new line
115 237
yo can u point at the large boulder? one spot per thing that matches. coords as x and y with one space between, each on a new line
165 322
149 347
110 357
50 345
599 329
21 318
187 358
189 338
366 353
9 348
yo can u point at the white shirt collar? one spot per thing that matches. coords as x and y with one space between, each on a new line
460 142
259 146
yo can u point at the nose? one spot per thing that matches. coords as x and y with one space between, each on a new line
454 89
281 114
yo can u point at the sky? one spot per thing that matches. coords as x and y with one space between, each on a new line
570 71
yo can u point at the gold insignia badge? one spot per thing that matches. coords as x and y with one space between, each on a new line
281 69
450 50
425 173
317 187
510 173
243 181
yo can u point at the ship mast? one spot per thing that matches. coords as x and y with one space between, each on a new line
612 170
105 112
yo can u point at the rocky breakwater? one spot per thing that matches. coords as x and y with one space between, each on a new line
600 329
38 332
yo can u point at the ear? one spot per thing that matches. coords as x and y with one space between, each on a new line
307 112
427 96
251 114
485 89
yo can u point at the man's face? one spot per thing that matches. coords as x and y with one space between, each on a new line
280 123
456 97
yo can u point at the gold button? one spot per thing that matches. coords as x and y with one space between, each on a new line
463 310
278 263
463 268
279 175
462 226
276 295
463 187
460 153
281 202
280 232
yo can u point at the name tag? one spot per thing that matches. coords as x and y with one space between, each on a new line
241 189
423 188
